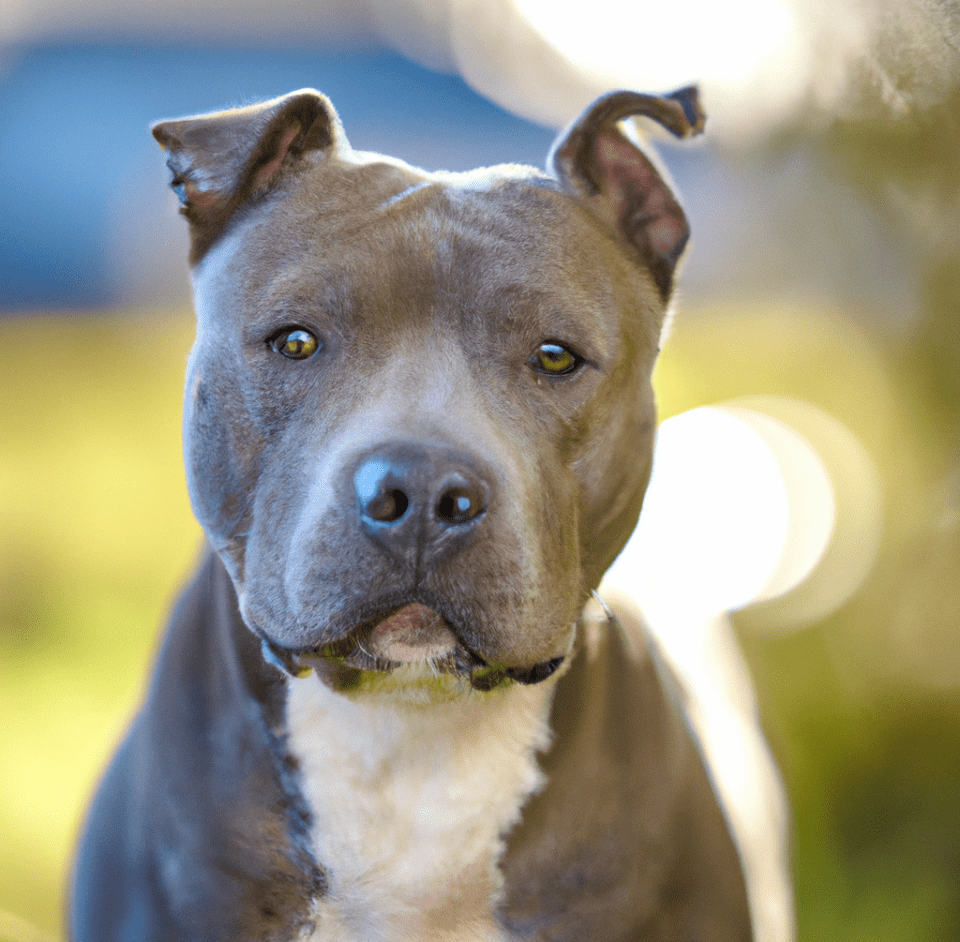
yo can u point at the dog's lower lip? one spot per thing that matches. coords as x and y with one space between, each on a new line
412 633
409 632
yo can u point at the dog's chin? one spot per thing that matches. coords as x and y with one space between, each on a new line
412 640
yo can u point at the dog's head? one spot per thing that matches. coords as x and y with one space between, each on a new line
419 419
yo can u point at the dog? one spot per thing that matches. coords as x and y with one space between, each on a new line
418 428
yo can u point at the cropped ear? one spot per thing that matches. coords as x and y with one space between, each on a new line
221 160
594 159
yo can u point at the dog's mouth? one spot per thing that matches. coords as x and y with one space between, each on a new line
411 633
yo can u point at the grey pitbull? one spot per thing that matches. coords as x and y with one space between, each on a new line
419 426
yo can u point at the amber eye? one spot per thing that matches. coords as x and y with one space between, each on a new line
553 359
294 343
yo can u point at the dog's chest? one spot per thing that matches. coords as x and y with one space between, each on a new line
410 803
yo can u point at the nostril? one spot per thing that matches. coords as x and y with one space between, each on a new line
380 500
387 507
459 505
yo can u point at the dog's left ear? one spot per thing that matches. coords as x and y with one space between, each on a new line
220 161
595 159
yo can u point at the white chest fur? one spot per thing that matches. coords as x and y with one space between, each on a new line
412 788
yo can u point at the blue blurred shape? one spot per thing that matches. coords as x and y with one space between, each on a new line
73 125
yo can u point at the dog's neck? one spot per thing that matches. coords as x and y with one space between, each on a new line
412 786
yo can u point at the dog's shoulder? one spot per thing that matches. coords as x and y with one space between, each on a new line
626 840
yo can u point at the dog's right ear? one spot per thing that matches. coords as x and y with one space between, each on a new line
224 159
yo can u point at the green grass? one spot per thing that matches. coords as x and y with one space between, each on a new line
95 532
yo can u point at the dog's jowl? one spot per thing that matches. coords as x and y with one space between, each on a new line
418 428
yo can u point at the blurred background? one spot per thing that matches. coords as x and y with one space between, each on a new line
823 277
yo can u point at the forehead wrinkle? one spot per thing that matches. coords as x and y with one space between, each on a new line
406 194
365 270
296 287
477 279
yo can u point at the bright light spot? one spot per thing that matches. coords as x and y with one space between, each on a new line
715 519
728 47
810 497
767 501
857 517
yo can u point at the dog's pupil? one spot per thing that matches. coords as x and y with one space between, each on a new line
298 344
555 358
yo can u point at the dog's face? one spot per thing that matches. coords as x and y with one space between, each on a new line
419 419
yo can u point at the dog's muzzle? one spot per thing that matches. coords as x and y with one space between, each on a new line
421 503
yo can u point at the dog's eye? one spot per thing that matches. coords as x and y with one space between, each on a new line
553 359
294 343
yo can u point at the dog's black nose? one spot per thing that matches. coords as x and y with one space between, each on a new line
416 500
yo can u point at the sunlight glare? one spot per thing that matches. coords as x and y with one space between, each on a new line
715 520
660 46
